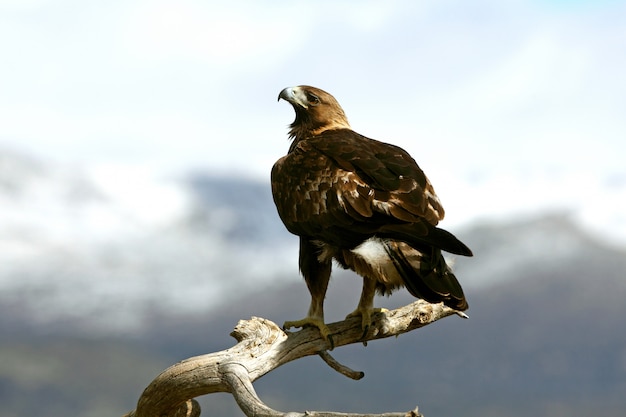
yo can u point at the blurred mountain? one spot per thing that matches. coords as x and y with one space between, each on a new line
102 247
97 298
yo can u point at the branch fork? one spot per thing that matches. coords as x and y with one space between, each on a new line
262 347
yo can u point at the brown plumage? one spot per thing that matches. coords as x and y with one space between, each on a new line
364 203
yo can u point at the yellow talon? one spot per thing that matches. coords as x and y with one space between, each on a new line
312 322
366 317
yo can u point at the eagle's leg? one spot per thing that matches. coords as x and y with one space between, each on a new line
366 305
316 275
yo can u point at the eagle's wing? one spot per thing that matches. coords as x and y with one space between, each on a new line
341 187
386 178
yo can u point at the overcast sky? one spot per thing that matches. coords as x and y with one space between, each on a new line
509 107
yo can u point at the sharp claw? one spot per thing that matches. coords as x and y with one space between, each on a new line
366 330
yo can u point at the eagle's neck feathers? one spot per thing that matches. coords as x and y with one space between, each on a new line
304 126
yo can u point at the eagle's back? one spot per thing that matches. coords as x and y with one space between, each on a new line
343 188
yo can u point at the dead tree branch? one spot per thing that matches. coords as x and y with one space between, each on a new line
263 346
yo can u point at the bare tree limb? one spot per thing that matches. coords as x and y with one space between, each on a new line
342 369
263 346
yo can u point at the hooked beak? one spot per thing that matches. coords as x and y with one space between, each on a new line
293 95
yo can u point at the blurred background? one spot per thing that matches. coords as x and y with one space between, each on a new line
137 225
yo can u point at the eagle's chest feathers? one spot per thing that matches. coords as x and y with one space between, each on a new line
369 259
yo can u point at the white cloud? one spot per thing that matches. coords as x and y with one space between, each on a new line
476 89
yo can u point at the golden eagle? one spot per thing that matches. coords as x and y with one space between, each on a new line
364 203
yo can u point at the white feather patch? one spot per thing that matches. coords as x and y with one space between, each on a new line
372 250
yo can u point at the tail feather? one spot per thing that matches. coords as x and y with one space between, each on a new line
425 234
426 275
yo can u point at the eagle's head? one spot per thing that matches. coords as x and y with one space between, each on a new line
316 111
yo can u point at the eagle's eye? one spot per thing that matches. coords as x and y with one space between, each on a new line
313 99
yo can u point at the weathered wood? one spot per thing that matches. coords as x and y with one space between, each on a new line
263 346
